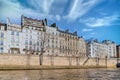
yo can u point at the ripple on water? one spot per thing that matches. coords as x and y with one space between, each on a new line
63 74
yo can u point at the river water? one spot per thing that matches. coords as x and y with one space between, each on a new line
62 74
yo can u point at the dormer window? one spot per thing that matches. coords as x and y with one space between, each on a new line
2 27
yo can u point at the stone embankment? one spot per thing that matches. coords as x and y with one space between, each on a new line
23 61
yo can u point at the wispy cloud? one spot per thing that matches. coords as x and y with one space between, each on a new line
10 9
41 5
100 22
14 9
80 7
86 30
58 17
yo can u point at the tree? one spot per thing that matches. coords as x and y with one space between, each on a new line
43 46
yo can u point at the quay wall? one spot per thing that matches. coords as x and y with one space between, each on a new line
35 60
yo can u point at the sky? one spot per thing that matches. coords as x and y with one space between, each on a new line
98 19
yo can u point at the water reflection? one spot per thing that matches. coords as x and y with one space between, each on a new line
64 74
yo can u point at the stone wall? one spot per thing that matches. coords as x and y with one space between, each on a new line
34 60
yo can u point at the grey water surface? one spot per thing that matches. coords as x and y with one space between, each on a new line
62 74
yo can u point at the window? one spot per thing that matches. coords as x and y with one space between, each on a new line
1 42
2 27
17 44
26 42
37 48
17 34
37 33
26 31
30 36
26 47
31 31
12 32
52 45
30 48
56 42
48 40
52 32
2 35
37 38
52 51
30 42
37 43
52 41
48 45
1 48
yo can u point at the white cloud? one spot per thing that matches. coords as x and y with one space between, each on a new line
92 33
41 5
86 30
47 5
99 22
58 17
14 9
11 9
80 7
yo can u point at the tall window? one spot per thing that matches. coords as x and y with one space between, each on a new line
17 34
12 32
26 42
30 42
2 35
48 40
52 32
1 42
30 48
26 47
37 48
52 45
31 31
1 48
30 36
26 31
37 43
52 41
37 33
56 42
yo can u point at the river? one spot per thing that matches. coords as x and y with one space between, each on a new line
61 74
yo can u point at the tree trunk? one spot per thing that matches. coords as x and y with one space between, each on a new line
106 61
41 59
52 60
70 61
28 59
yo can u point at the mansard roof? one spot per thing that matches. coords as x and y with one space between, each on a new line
25 21
3 24
67 32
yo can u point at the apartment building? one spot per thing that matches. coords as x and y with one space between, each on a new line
35 36
118 51
102 49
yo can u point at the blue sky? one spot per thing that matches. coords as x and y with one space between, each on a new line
90 18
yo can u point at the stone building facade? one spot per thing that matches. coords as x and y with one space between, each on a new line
105 49
118 51
34 36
